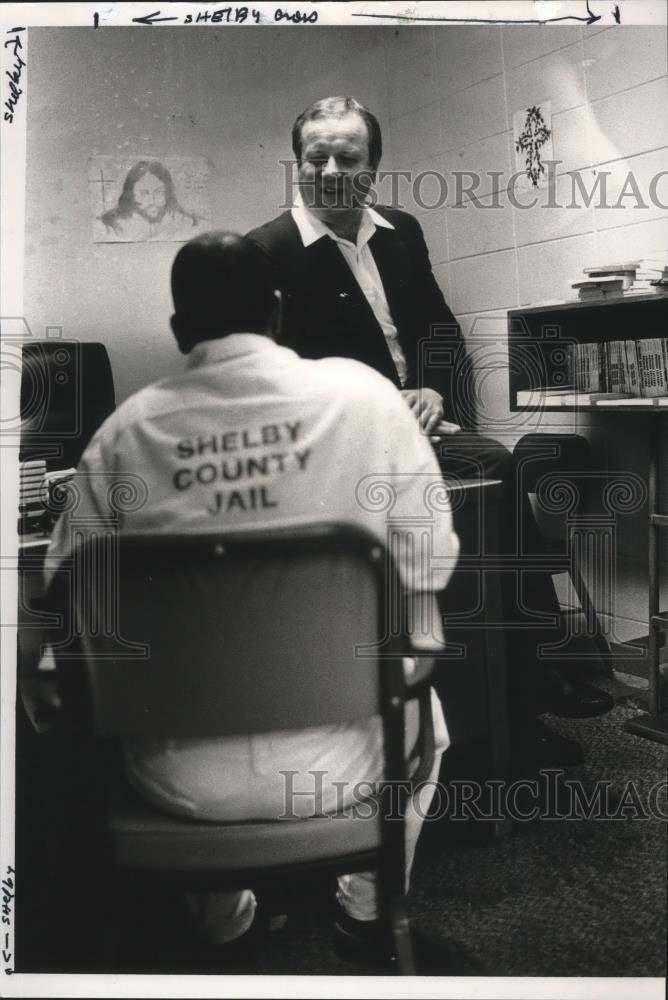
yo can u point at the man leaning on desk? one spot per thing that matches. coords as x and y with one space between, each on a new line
357 282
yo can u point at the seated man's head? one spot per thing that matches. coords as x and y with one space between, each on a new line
338 146
222 284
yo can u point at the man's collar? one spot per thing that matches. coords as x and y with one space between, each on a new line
233 345
311 228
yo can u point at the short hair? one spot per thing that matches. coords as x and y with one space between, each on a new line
337 107
221 283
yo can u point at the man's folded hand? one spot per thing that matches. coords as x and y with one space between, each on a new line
427 406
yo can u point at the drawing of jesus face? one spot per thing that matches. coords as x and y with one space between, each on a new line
150 197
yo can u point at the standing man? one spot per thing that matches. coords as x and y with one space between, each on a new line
357 282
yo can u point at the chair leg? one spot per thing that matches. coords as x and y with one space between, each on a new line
606 655
391 897
400 935
591 617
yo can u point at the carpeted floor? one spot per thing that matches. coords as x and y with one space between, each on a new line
556 897
561 897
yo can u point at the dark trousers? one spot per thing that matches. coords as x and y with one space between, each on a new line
531 609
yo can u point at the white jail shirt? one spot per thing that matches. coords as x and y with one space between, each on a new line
327 429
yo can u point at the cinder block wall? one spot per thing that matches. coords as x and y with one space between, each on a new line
229 95
452 94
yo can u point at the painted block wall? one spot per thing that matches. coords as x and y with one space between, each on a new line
230 96
452 94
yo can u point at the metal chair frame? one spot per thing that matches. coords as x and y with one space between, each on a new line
97 649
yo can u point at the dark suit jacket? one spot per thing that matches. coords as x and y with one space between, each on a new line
327 314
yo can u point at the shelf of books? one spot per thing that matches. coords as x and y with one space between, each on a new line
606 350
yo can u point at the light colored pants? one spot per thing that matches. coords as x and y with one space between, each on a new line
223 916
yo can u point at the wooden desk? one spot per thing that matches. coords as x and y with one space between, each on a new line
471 677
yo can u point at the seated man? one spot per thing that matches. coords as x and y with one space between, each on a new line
357 282
248 415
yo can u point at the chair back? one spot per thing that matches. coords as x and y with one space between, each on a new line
203 635
538 454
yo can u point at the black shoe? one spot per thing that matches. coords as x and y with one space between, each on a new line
361 940
572 698
365 941
532 742
357 935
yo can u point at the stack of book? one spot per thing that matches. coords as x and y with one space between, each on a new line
651 274
608 373
32 494
605 281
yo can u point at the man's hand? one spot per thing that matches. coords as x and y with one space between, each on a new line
442 429
426 405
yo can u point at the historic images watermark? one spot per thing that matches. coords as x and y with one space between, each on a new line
493 189
549 797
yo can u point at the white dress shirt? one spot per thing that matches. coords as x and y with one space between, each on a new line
360 260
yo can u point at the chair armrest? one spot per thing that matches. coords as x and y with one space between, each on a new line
424 638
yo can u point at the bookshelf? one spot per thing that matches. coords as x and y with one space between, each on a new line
538 341
539 338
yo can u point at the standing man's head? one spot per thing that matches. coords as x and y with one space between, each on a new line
337 143
222 284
